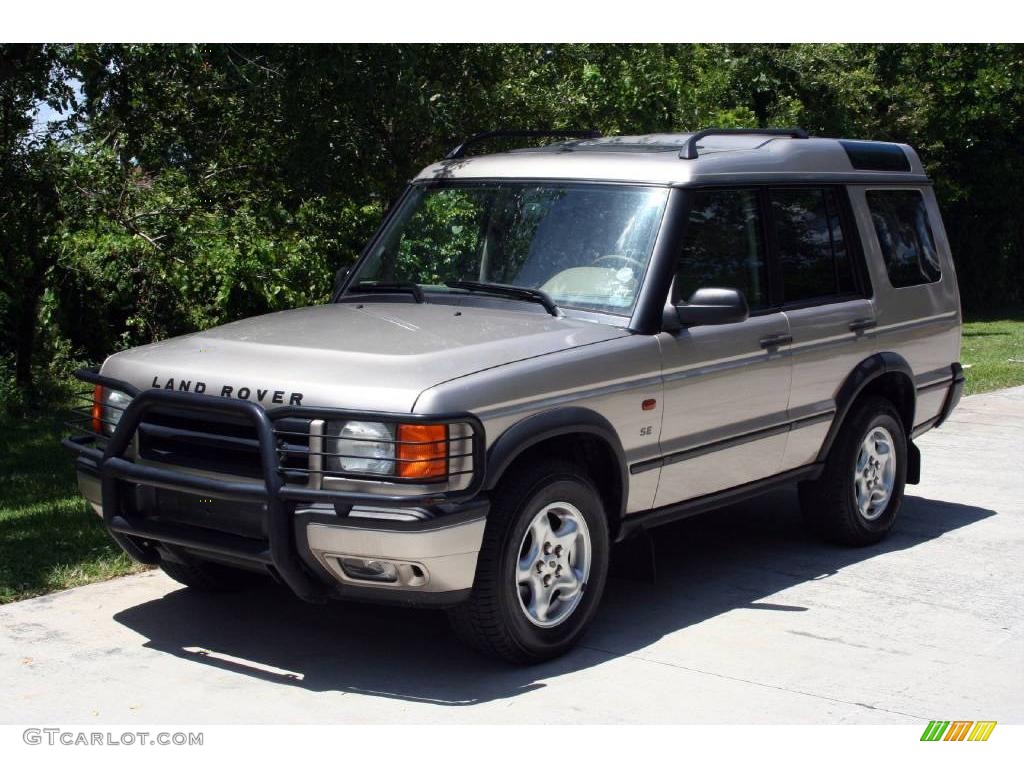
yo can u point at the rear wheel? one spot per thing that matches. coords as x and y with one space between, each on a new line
860 491
542 566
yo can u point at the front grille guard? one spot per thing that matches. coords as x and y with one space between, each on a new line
280 551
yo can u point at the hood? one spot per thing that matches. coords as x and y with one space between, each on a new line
374 356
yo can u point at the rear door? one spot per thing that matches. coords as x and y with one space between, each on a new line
824 292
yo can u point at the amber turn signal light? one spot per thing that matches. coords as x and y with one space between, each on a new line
97 408
422 450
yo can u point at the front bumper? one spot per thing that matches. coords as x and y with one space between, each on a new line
304 532
435 558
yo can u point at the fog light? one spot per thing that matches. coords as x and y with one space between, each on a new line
368 570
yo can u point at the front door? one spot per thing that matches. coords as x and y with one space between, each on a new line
726 386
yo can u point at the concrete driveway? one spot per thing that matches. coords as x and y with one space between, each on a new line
749 621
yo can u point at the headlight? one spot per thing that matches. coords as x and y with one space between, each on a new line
363 447
107 407
406 451
114 403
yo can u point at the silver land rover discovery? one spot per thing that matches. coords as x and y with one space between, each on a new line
543 352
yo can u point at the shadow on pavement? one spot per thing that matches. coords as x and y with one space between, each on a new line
726 560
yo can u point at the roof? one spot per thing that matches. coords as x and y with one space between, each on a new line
655 159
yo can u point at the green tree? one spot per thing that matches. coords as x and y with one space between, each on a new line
30 208
190 185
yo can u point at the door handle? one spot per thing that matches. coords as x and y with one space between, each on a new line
777 340
863 324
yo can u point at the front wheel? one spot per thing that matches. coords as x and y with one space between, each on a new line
542 566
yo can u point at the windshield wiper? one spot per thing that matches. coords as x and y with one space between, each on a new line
511 291
396 287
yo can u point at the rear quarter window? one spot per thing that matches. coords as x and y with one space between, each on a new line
904 236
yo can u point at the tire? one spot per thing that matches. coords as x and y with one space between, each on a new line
205 576
831 505
496 619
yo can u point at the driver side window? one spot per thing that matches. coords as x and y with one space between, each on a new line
724 246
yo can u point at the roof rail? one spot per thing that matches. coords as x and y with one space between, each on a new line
460 150
689 150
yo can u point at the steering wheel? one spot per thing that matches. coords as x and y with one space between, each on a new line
625 260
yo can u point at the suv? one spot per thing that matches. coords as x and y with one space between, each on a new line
541 353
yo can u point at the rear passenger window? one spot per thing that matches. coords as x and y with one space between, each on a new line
905 237
813 253
724 247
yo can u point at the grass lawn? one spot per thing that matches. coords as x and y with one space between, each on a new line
50 539
994 350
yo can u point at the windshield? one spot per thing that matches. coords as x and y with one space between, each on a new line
586 245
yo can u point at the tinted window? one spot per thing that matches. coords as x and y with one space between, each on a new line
813 253
901 222
876 156
840 248
724 247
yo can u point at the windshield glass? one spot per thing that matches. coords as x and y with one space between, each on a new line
585 245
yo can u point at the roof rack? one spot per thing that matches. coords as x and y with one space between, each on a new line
460 150
689 150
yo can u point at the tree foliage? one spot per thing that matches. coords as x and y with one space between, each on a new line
189 185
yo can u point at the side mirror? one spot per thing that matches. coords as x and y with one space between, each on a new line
713 306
